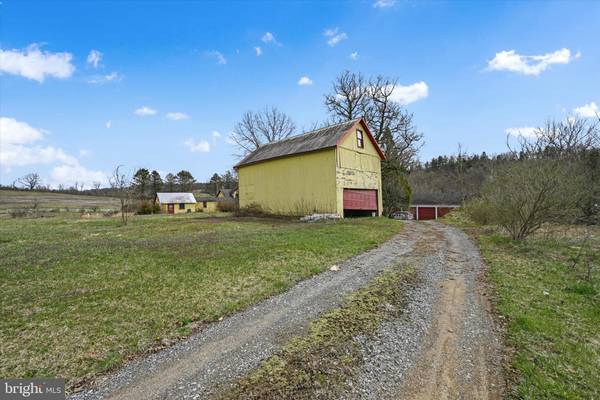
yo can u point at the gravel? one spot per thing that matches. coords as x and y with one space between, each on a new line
392 354
228 349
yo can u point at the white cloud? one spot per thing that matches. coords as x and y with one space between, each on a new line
587 111
84 152
384 3
354 56
18 148
216 134
411 93
68 174
305 81
529 65
94 58
177 116
144 111
334 36
108 124
218 56
15 132
197 146
102 79
32 63
268 37
258 51
526 131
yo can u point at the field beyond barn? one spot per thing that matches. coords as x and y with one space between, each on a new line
80 296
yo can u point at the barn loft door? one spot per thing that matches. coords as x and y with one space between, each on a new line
360 199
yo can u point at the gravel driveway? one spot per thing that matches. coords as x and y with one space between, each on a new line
230 348
443 346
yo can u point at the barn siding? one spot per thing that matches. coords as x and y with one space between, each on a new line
357 168
295 185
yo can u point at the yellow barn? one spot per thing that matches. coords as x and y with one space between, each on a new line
336 169
175 203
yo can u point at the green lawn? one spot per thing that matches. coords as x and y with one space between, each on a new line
79 296
551 308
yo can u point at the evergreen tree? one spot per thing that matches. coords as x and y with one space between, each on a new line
170 182
156 182
141 182
185 180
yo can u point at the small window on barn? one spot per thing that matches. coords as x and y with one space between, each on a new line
204 204
182 206
359 139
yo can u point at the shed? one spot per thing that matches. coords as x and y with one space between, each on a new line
174 203
335 169
431 211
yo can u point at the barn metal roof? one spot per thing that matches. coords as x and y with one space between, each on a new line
166 198
314 140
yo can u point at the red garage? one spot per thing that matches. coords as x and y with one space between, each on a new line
424 212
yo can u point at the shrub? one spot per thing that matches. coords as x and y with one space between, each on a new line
145 207
227 206
19 213
522 196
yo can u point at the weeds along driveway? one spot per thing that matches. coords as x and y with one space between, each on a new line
234 346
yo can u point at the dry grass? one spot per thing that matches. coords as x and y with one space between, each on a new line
11 200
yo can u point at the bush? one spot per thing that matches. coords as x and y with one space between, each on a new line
19 213
255 210
227 206
147 207
522 196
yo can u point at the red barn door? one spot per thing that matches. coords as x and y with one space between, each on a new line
360 199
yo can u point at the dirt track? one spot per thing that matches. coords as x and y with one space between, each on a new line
453 364
443 347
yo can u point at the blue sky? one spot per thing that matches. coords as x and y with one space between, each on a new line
72 75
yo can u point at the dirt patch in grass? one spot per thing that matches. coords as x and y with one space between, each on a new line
318 364
79 297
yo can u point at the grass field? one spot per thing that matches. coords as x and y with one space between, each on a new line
45 201
551 308
78 296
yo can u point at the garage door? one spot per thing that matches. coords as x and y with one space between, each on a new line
426 213
360 199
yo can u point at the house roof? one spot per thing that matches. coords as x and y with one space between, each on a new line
210 199
227 193
166 198
322 138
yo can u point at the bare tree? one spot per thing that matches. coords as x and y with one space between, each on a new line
96 185
560 139
523 195
30 181
349 97
121 185
353 96
574 141
258 128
